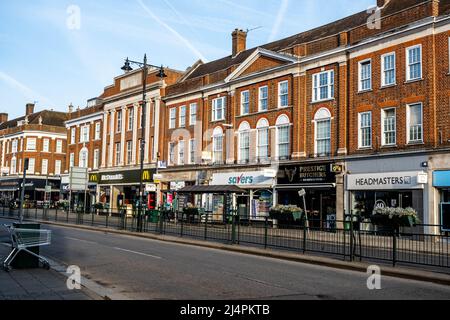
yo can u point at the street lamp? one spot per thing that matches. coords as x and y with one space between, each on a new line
127 68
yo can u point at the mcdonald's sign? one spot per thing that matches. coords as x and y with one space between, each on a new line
123 177
93 178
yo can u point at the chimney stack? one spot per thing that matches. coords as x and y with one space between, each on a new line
382 3
70 108
239 41
3 117
29 109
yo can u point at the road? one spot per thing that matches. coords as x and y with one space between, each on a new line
137 268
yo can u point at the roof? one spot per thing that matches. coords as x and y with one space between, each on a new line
212 189
50 118
327 30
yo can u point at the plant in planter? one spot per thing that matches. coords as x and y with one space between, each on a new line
395 217
286 214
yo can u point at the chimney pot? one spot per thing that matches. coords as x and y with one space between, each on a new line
29 109
239 41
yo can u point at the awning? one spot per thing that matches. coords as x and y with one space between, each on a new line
306 186
212 189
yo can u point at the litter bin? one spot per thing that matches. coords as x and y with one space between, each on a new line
23 259
153 216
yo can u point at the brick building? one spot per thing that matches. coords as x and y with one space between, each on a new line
368 92
41 138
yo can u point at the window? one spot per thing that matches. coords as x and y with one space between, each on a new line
21 144
219 109
129 151
20 166
7 146
414 63
58 167
323 86
31 144
119 121
192 146
283 137
72 160
263 139
97 131
388 69
58 146
245 102
244 142
46 145
263 99
193 114
96 163
84 136
31 165
13 166
130 119
173 118
322 121
171 153
72 135
365 129
181 152
283 94
14 146
83 158
182 116
218 145
415 122
44 169
118 153
389 127
365 75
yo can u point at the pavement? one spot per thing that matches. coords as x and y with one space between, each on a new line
121 266
36 284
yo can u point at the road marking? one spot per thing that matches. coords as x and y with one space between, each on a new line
81 240
138 253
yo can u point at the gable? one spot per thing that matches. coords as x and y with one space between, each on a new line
261 64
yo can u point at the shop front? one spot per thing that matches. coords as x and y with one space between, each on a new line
319 183
256 203
172 182
441 181
116 190
37 190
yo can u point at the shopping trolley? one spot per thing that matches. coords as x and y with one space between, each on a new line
23 239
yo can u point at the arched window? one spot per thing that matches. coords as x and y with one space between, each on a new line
283 137
218 145
244 142
322 134
263 139
83 158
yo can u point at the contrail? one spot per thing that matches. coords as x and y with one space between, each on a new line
173 31
279 20
23 89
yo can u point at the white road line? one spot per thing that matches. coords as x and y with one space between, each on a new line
139 253
81 240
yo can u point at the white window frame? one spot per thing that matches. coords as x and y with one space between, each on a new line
384 70
263 124
281 123
13 165
96 162
118 150
14 146
46 145
181 152
119 121
171 153
216 136
28 144
98 129
280 94
244 129
59 144
193 115
360 75
129 152
31 164
84 136
73 135
383 132
215 109
408 123
44 172
182 120
130 119
360 130
322 115
71 160
245 102
408 65
261 99
192 149
57 167
83 158
172 118
316 86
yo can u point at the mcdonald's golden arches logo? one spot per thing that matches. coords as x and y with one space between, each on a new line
146 175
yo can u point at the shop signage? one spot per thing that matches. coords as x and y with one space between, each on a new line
78 178
241 179
150 187
177 185
337 168
306 174
124 177
386 181
441 179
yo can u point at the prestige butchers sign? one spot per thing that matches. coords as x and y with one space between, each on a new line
305 174
385 181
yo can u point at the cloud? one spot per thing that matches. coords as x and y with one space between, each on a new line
25 91
173 31
279 20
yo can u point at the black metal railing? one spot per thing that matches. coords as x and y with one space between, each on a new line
349 241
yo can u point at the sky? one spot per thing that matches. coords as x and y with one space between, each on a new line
57 52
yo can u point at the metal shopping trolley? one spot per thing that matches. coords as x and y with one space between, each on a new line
23 240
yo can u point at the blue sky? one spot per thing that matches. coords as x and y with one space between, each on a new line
43 60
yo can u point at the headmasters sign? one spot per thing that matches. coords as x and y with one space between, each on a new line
386 181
